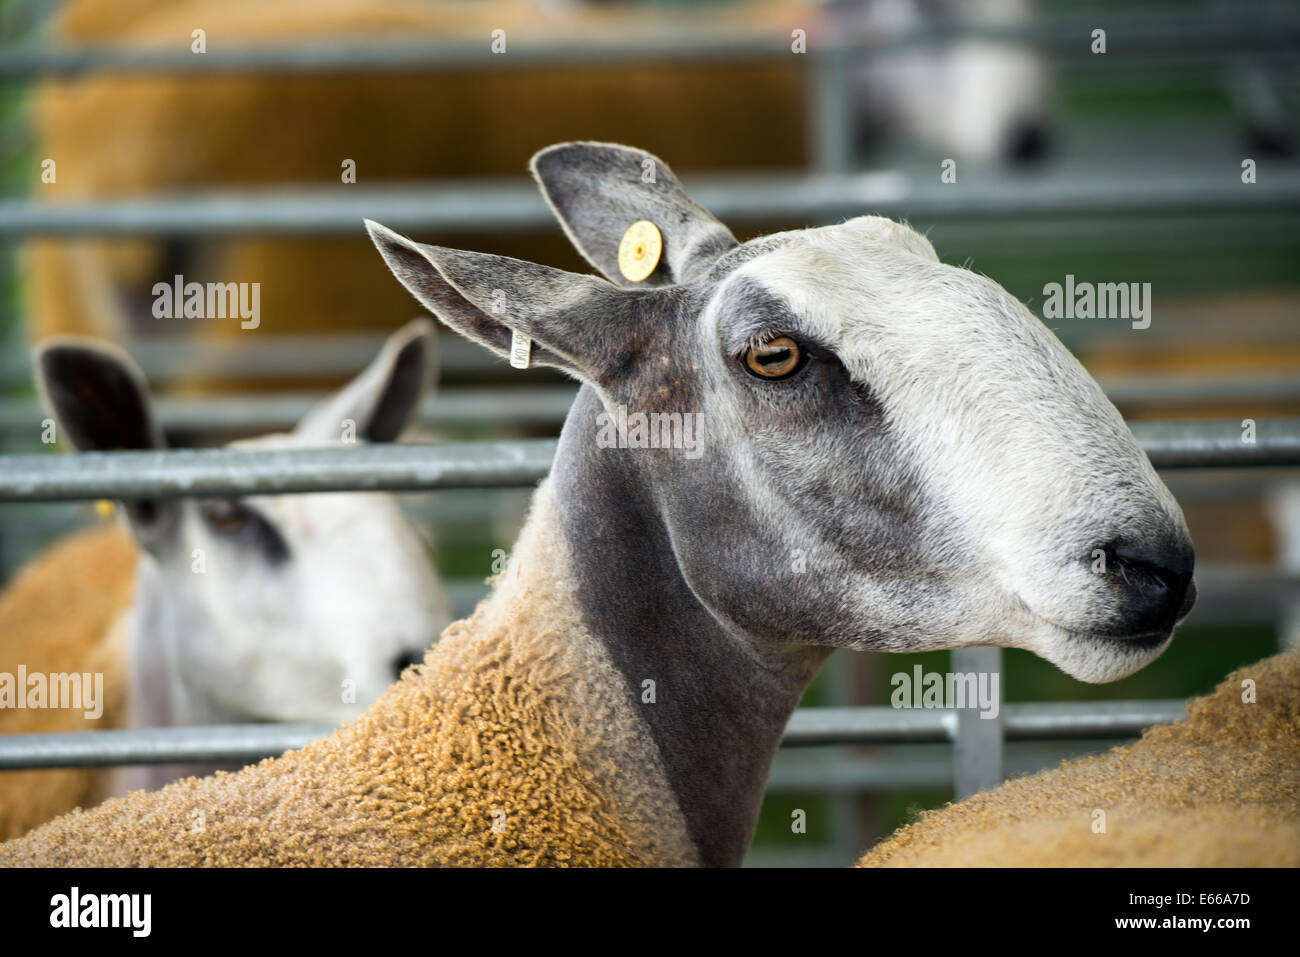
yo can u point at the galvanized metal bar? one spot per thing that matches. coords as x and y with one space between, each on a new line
977 751
1232 444
495 206
1089 719
1144 37
471 207
823 726
237 742
1184 389
843 813
426 55
254 413
877 725
831 113
808 726
809 857
250 414
405 468
209 472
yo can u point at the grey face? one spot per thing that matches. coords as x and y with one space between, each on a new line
896 454
801 492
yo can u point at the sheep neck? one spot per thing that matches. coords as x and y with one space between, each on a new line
157 695
718 703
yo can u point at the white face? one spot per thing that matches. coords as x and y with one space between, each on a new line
268 608
948 468
294 607
975 99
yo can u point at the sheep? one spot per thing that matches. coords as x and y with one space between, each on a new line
1221 789
218 611
885 453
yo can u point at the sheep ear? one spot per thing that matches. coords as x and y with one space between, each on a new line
579 324
598 190
380 403
99 398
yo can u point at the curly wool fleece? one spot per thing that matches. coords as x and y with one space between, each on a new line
1221 789
65 613
516 742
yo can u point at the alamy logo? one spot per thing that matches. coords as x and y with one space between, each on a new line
651 430
950 690
214 300
1103 300
75 909
58 690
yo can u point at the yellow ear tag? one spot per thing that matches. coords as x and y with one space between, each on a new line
105 508
639 250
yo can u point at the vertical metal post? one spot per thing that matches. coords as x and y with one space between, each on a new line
11 341
846 833
831 118
1284 514
977 750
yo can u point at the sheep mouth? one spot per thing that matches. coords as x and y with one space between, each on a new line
1139 642
1135 641
1096 657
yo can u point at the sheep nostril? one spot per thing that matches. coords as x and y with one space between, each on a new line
1155 581
405 660
1028 142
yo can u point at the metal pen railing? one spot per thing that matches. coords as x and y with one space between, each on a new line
496 206
978 743
404 468
807 727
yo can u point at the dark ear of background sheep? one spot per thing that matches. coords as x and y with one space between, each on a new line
1220 789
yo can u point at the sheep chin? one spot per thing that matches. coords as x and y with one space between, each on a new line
1099 659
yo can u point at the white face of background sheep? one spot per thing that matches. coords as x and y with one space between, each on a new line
973 98
278 607
897 455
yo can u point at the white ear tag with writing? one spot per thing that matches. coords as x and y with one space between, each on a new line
521 349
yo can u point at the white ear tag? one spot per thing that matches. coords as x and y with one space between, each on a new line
521 349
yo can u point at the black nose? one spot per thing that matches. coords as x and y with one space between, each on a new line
1155 583
1027 142
405 660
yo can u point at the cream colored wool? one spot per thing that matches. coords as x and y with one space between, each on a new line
1221 789
515 743
64 613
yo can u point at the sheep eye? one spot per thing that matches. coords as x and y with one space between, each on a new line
227 517
244 526
777 358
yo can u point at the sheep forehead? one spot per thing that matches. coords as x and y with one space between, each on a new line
971 381
341 538
900 320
